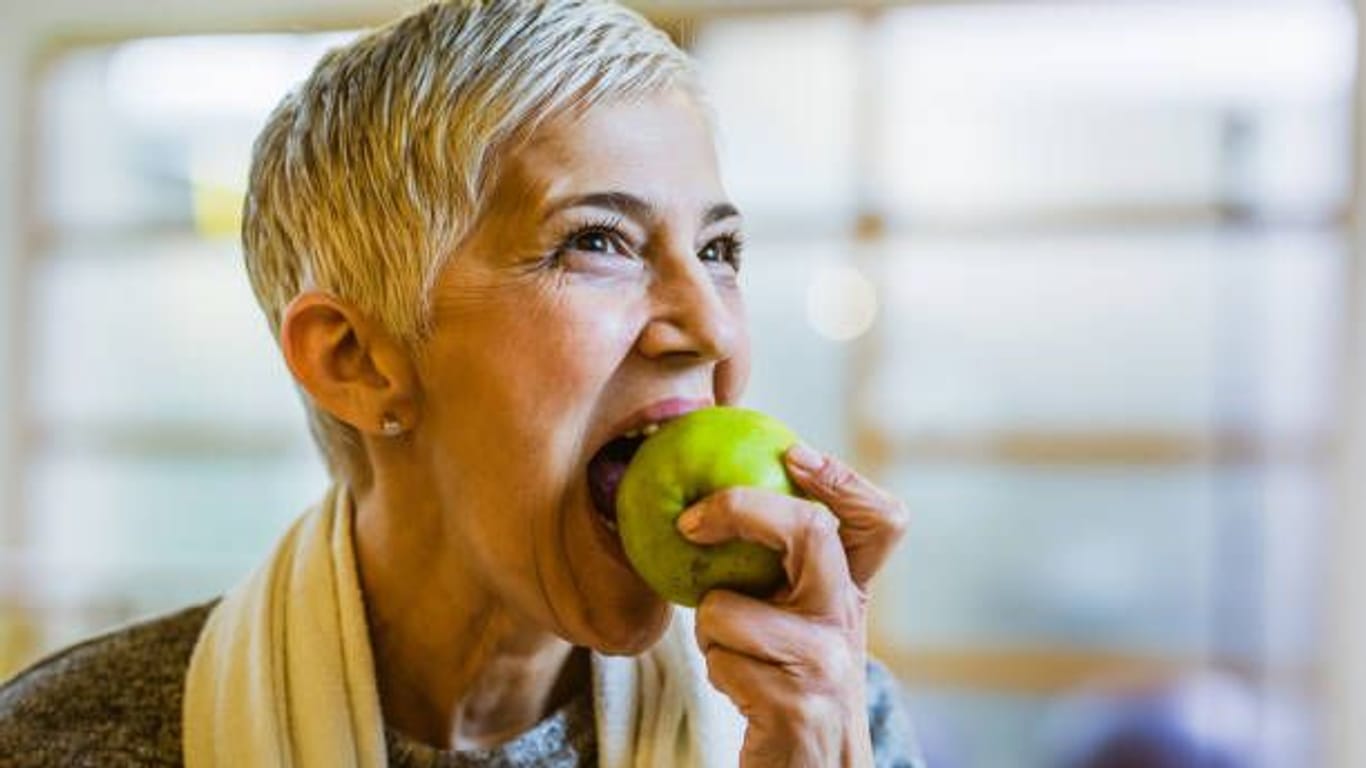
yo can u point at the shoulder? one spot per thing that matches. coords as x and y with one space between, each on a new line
112 699
894 742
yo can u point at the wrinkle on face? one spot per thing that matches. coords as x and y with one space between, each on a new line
482 552
527 359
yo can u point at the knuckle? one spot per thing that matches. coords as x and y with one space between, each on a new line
716 668
714 677
843 662
731 501
802 712
899 519
830 665
707 615
702 637
858 606
816 520
835 475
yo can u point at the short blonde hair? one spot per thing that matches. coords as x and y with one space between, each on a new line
367 176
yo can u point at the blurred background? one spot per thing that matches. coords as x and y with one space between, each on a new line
1076 279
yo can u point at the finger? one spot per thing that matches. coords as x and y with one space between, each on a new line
752 514
749 683
803 531
769 696
754 628
872 520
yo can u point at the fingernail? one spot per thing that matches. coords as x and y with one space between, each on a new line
804 457
690 522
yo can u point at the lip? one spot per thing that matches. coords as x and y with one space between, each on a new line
656 412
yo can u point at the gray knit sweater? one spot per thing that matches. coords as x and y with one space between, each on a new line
115 701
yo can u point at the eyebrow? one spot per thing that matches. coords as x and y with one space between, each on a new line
634 207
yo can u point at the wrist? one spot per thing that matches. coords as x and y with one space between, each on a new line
857 747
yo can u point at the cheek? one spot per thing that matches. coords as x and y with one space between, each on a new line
583 338
732 374
549 338
546 368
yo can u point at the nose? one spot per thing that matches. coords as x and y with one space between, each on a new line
690 318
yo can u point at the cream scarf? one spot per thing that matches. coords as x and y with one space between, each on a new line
282 674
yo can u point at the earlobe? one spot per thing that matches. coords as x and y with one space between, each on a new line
349 365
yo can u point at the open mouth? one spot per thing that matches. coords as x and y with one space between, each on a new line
606 469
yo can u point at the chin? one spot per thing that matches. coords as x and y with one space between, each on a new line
631 637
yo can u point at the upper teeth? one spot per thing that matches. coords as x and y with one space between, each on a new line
646 431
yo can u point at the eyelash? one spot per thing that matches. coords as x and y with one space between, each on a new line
735 243
610 227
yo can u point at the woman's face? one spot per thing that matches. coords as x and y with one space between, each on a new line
600 282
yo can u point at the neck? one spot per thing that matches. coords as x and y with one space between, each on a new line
455 668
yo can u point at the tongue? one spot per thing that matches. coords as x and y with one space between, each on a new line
605 472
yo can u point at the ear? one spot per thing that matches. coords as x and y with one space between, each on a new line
351 366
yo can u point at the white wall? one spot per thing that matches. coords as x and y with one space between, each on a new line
12 58
30 30
1345 675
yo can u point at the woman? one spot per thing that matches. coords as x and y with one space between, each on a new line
490 239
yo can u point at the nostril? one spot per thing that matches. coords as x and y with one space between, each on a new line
694 317
699 340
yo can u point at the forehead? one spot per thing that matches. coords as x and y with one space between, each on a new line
659 148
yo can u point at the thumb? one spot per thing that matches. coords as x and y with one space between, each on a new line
872 520
831 481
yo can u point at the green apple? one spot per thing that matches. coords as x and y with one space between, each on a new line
688 459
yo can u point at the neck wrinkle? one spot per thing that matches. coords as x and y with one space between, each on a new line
455 669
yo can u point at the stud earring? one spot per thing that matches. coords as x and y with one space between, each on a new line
390 426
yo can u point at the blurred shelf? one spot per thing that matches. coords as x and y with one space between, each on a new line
874 446
878 448
664 11
1047 671
879 223
209 439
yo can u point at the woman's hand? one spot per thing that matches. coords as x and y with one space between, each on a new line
794 664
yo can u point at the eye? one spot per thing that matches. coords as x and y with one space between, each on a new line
596 237
724 249
592 240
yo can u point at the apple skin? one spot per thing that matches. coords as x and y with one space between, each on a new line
688 459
